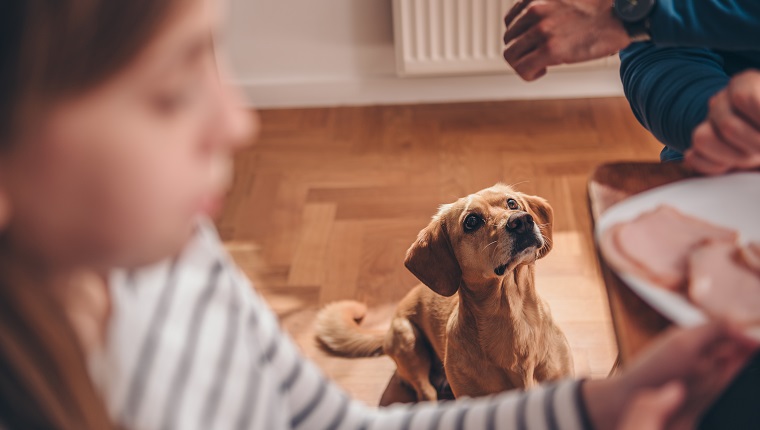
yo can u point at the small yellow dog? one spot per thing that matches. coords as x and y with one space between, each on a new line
477 311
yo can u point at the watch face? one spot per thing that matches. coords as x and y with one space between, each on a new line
633 10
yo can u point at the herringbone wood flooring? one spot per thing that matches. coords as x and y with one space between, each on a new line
328 201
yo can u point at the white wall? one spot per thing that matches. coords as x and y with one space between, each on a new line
336 52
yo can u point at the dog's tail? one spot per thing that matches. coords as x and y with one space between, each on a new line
339 331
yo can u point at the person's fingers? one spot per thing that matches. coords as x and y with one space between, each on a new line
523 45
652 409
695 161
689 345
712 376
539 74
693 342
739 335
532 14
725 353
533 65
744 93
708 141
716 148
732 128
704 136
738 352
515 11
721 359
728 367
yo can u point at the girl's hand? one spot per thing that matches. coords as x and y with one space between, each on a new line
704 360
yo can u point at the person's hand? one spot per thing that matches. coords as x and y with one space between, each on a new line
729 139
703 359
543 33
652 409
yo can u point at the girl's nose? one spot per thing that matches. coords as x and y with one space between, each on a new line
239 125
232 124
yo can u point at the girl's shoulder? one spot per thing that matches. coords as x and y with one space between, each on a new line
172 324
201 268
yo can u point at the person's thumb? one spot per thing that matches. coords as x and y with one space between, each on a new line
651 409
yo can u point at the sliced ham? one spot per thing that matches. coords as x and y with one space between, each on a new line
657 245
613 255
721 284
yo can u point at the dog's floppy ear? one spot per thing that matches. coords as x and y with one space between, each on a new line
431 259
543 214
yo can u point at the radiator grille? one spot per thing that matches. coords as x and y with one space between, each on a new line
442 37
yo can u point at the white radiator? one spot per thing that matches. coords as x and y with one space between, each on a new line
444 37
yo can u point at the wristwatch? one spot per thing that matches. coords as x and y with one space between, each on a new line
635 16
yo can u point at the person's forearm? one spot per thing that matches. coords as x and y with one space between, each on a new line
716 24
669 89
551 406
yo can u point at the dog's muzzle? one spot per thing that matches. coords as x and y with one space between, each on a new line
521 227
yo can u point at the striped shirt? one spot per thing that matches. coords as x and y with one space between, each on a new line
192 346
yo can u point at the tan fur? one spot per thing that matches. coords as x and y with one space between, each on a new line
340 332
491 332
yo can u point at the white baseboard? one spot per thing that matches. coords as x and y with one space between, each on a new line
382 90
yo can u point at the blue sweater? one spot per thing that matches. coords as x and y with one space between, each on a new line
697 46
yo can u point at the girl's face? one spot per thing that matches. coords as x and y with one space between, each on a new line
117 175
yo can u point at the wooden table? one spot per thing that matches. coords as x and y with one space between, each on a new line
634 321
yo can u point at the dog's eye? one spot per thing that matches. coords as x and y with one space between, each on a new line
512 204
472 222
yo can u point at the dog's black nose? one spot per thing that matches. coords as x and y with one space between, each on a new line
520 222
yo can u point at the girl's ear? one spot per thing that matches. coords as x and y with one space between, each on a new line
543 214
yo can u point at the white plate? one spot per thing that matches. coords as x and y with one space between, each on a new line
731 201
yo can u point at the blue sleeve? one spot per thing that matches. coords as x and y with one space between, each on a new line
716 24
669 88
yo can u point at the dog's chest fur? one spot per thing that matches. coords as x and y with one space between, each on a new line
503 339
505 329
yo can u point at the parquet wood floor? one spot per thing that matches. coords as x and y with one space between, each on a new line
325 205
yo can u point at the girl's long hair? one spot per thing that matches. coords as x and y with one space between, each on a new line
51 50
